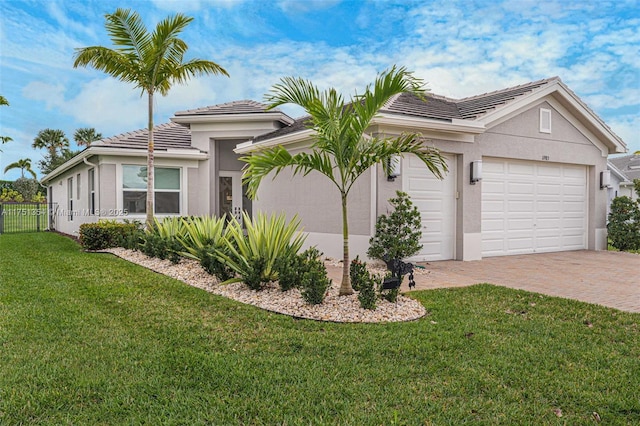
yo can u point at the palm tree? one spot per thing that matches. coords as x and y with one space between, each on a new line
86 135
52 140
4 139
153 62
341 149
23 164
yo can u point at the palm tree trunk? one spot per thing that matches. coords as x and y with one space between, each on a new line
149 219
345 286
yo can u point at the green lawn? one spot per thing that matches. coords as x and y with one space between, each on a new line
87 338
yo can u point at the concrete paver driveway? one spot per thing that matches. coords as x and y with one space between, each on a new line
603 277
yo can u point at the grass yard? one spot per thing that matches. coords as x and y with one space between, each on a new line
90 339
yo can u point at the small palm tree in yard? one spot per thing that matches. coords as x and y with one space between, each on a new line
341 150
152 61
24 165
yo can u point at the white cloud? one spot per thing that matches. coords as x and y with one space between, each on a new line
628 128
299 6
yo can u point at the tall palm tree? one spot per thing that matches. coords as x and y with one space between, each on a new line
86 135
24 165
53 140
341 149
4 139
153 62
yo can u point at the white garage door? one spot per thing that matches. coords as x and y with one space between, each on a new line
436 201
532 207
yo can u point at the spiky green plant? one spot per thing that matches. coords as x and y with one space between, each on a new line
267 239
201 233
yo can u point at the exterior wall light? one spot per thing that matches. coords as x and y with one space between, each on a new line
605 179
476 171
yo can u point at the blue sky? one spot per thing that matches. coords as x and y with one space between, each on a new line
460 48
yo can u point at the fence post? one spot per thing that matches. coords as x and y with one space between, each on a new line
38 211
1 218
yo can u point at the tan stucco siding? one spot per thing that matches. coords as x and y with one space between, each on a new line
317 202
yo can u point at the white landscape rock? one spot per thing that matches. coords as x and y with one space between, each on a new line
334 308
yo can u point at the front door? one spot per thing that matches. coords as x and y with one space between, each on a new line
230 194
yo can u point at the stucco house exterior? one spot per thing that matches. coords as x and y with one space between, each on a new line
524 173
624 169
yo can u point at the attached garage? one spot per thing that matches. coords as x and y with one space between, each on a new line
533 207
436 201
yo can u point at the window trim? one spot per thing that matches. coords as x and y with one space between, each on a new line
70 197
144 190
91 188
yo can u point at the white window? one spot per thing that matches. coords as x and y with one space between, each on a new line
92 191
70 197
166 189
545 120
78 186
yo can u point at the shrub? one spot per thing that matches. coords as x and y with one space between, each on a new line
267 239
162 241
624 224
397 235
27 187
106 234
357 273
367 295
314 280
291 269
211 263
11 196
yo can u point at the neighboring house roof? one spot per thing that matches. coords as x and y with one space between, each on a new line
628 164
478 111
165 136
235 107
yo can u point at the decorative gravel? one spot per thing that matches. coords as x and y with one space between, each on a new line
334 308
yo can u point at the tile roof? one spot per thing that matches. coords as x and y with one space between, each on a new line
235 107
628 164
437 107
165 136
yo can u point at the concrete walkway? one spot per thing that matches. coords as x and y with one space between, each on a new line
606 278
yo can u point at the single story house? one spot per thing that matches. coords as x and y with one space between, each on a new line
525 165
624 169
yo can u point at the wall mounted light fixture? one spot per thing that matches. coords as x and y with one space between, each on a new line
476 171
605 179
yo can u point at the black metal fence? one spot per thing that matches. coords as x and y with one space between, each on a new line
26 217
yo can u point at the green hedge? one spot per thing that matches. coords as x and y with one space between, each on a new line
107 234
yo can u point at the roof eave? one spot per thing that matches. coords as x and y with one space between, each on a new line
453 126
288 139
184 154
232 117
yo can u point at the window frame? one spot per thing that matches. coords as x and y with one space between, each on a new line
155 190
545 118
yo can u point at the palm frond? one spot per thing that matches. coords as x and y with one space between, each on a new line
128 32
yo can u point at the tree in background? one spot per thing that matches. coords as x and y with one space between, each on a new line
341 149
22 164
153 62
53 140
86 135
56 143
4 139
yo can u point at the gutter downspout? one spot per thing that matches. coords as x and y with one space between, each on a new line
96 179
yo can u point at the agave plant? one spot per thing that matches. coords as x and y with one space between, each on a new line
170 227
253 256
201 233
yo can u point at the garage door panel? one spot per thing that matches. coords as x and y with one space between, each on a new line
435 199
520 169
520 206
542 206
